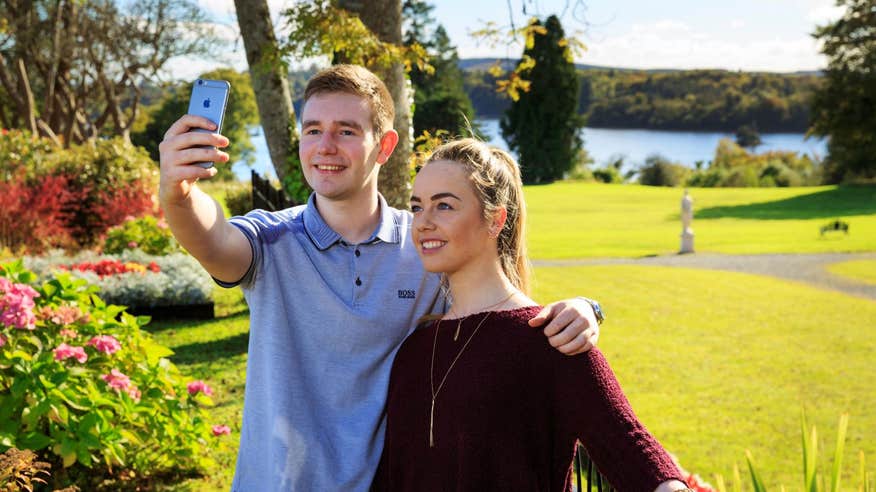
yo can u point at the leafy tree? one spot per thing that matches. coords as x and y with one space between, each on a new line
271 86
748 137
844 109
240 114
73 70
440 101
542 125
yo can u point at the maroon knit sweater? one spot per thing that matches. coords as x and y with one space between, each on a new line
509 414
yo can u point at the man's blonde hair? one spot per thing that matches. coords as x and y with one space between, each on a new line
359 81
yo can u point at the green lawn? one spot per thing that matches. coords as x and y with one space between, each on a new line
715 363
583 220
860 270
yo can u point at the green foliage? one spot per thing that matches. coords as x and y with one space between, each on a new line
320 28
542 126
659 171
748 137
697 100
241 114
733 166
87 389
844 108
238 199
148 233
440 101
811 475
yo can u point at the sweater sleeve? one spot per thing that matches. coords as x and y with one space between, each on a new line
590 406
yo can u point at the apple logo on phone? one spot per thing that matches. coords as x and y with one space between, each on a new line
207 102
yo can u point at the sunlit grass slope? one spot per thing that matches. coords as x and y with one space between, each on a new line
578 220
717 363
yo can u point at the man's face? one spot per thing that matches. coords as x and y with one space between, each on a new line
339 150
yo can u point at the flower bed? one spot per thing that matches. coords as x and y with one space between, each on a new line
83 386
163 286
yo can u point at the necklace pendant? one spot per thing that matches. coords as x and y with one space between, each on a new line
432 425
456 334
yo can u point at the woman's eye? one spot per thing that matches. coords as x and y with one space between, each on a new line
444 206
416 208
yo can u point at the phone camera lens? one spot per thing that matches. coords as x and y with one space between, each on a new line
200 82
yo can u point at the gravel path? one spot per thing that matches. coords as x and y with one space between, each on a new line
808 268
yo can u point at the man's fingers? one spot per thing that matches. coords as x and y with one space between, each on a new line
186 123
545 314
189 156
580 344
567 332
560 322
192 173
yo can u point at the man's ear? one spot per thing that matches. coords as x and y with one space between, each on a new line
387 144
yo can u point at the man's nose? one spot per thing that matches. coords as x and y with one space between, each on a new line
327 143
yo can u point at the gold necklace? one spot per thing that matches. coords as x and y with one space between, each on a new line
441 385
491 306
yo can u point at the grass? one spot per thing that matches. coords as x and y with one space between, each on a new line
717 363
860 270
586 220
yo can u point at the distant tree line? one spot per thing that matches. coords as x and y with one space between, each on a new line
714 100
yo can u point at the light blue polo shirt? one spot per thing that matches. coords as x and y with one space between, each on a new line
326 319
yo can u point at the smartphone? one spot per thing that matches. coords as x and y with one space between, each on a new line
209 98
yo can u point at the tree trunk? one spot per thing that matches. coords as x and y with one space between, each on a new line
383 18
271 87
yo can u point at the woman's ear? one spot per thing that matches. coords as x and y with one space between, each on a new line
500 215
387 144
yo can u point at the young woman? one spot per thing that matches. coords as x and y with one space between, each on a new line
479 400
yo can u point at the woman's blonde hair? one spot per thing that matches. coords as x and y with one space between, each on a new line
495 178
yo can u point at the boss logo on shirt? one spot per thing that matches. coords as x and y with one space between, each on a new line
407 293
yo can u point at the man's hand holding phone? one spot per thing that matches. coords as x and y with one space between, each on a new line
180 152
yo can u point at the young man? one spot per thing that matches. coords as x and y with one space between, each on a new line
333 286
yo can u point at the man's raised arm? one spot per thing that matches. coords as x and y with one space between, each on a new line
196 220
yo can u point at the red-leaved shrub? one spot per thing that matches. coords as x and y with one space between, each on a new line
34 214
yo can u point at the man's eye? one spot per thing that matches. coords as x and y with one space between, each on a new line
311 131
347 133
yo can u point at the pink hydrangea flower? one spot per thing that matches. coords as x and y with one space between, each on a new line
62 315
65 351
105 343
16 305
134 393
199 386
221 430
132 244
68 333
116 380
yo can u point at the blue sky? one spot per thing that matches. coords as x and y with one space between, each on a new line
761 35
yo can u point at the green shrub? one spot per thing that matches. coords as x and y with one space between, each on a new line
238 199
148 234
658 171
83 386
608 175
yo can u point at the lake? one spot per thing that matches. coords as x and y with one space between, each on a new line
603 143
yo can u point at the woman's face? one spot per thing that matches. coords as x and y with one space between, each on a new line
449 229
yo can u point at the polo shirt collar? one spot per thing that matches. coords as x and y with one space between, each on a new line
325 237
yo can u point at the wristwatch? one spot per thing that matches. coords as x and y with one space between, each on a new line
597 309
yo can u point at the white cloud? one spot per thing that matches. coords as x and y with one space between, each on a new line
737 24
676 45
